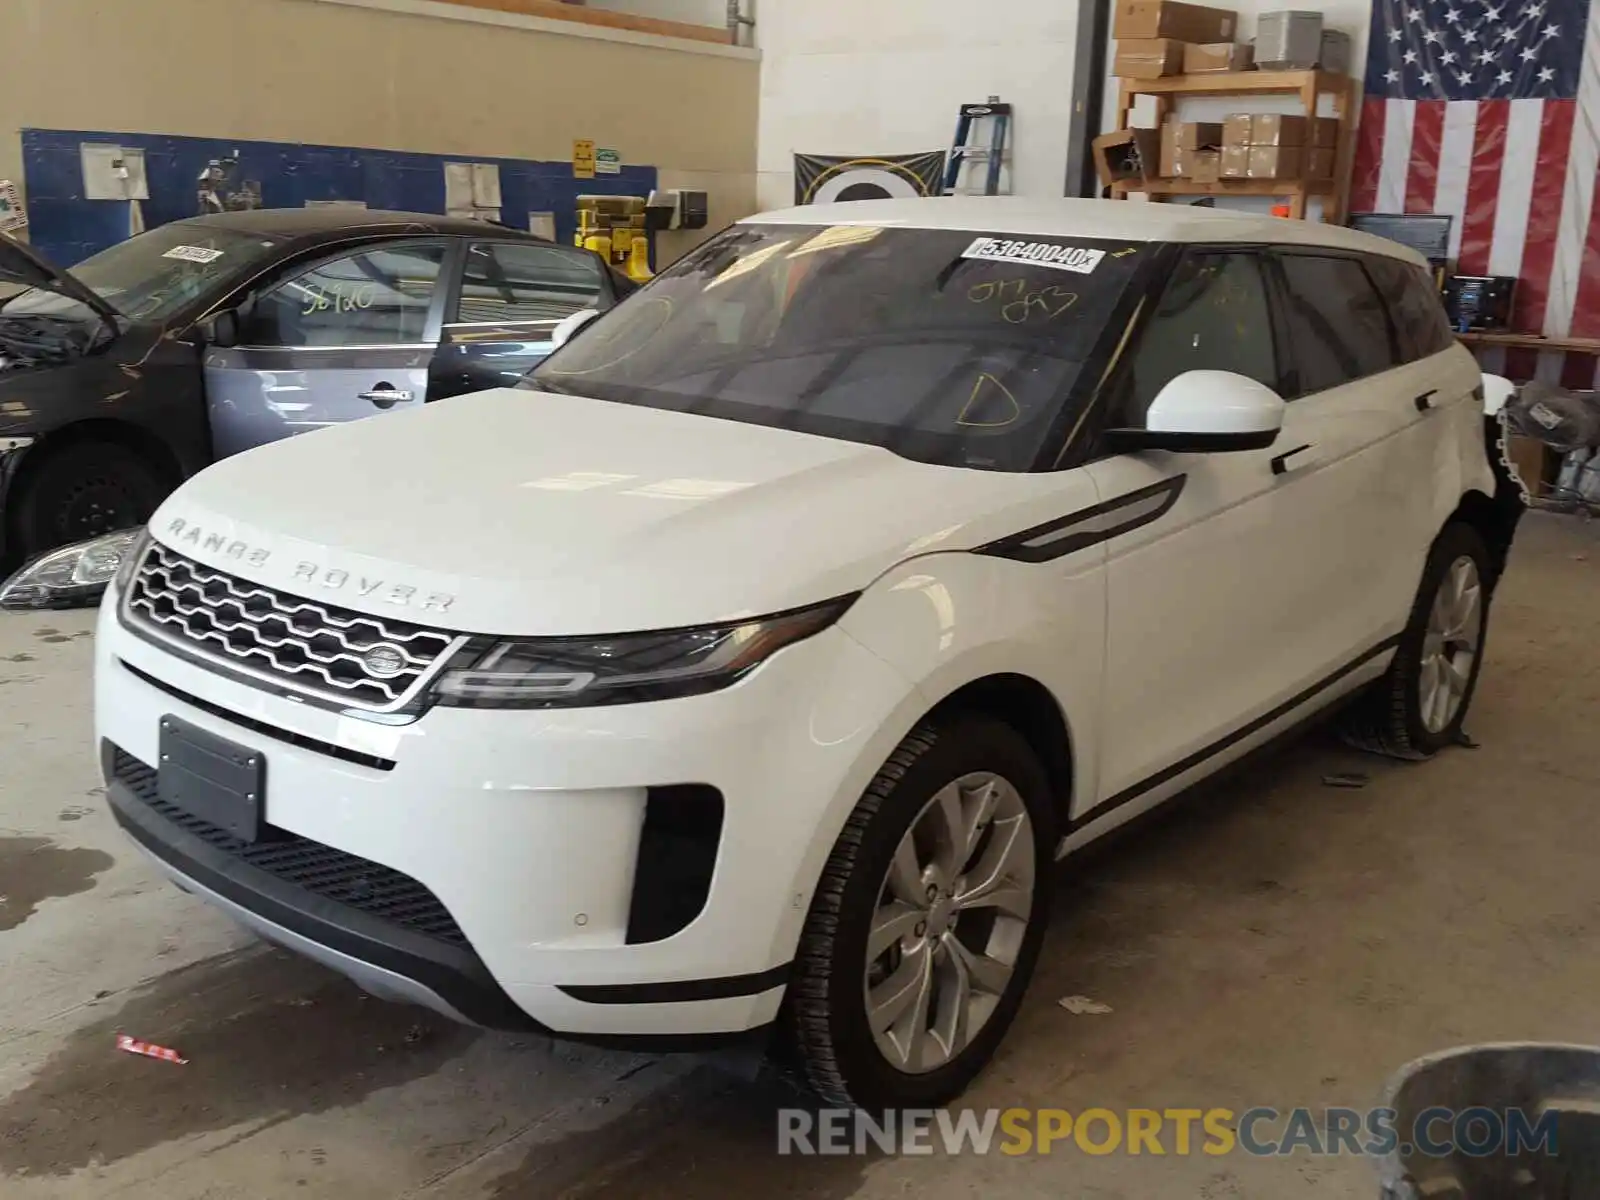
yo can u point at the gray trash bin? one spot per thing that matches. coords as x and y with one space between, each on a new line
1550 1091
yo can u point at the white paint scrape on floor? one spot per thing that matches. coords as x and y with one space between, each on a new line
1273 941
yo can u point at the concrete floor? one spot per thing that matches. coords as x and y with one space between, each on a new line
1274 941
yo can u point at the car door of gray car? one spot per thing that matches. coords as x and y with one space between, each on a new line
349 337
511 297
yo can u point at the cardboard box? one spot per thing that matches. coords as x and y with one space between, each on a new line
1212 57
1325 133
1128 154
1277 162
1181 141
1236 129
1148 58
1320 164
1165 19
1199 166
1279 129
1235 162
1289 39
1528 459
1266 129
1196 135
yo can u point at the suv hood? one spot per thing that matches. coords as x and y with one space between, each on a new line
526 513
21 263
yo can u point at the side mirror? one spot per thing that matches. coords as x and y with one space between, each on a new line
221 329
1207 412
570 326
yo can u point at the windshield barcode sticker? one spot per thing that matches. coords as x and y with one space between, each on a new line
1041 254
194 254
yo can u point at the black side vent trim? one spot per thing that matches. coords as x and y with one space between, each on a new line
677 856
1090 526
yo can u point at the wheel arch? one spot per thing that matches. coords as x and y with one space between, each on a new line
1029 707
1495 519
129 436
98 431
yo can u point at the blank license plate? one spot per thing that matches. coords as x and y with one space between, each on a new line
218 781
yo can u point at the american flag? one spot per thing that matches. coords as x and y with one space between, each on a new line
1488 110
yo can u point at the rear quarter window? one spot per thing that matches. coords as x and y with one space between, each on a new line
1415 303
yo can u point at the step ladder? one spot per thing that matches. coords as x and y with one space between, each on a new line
965 149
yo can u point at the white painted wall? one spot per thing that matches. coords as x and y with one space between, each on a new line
695 12
888 76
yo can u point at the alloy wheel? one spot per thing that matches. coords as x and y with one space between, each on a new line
950 921
1451 644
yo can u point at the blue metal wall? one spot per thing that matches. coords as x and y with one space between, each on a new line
67 228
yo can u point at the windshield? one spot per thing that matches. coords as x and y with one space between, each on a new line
943 346
152 276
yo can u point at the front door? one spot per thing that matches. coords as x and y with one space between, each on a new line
352 337
1208 624
512 296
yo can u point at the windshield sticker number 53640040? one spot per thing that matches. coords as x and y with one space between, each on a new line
1080 259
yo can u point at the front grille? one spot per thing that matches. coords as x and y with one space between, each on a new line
346 879
317 648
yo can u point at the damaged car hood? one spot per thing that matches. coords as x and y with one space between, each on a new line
21 264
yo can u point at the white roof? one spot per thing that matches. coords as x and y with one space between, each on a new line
1118 220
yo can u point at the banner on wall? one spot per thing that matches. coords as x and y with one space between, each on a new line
826 178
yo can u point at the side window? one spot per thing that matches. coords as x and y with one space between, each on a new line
1415 304
377 297
1338 323
511 283
1213 316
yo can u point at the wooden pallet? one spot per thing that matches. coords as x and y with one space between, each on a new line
1310 86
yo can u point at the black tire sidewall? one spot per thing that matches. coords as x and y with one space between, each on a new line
1457 541
963 746
49 485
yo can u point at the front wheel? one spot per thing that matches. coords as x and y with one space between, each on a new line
81 491
1418 707
928 919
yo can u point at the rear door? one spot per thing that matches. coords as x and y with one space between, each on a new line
1356 412
349 337
511 297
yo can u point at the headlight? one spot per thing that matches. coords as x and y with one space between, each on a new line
628 668
75 575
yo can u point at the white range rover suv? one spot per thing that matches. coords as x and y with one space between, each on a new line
749 665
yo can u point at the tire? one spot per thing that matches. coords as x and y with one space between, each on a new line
79 491
1395 718
991 767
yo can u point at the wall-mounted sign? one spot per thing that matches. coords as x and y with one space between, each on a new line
12 215
583 163
825 178
607 162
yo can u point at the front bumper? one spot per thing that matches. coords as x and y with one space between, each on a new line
489 864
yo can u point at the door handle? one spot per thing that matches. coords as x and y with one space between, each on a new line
1280 463
1425 401
385 395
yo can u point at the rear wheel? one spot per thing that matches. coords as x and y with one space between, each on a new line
1418 707
927 922
81 491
